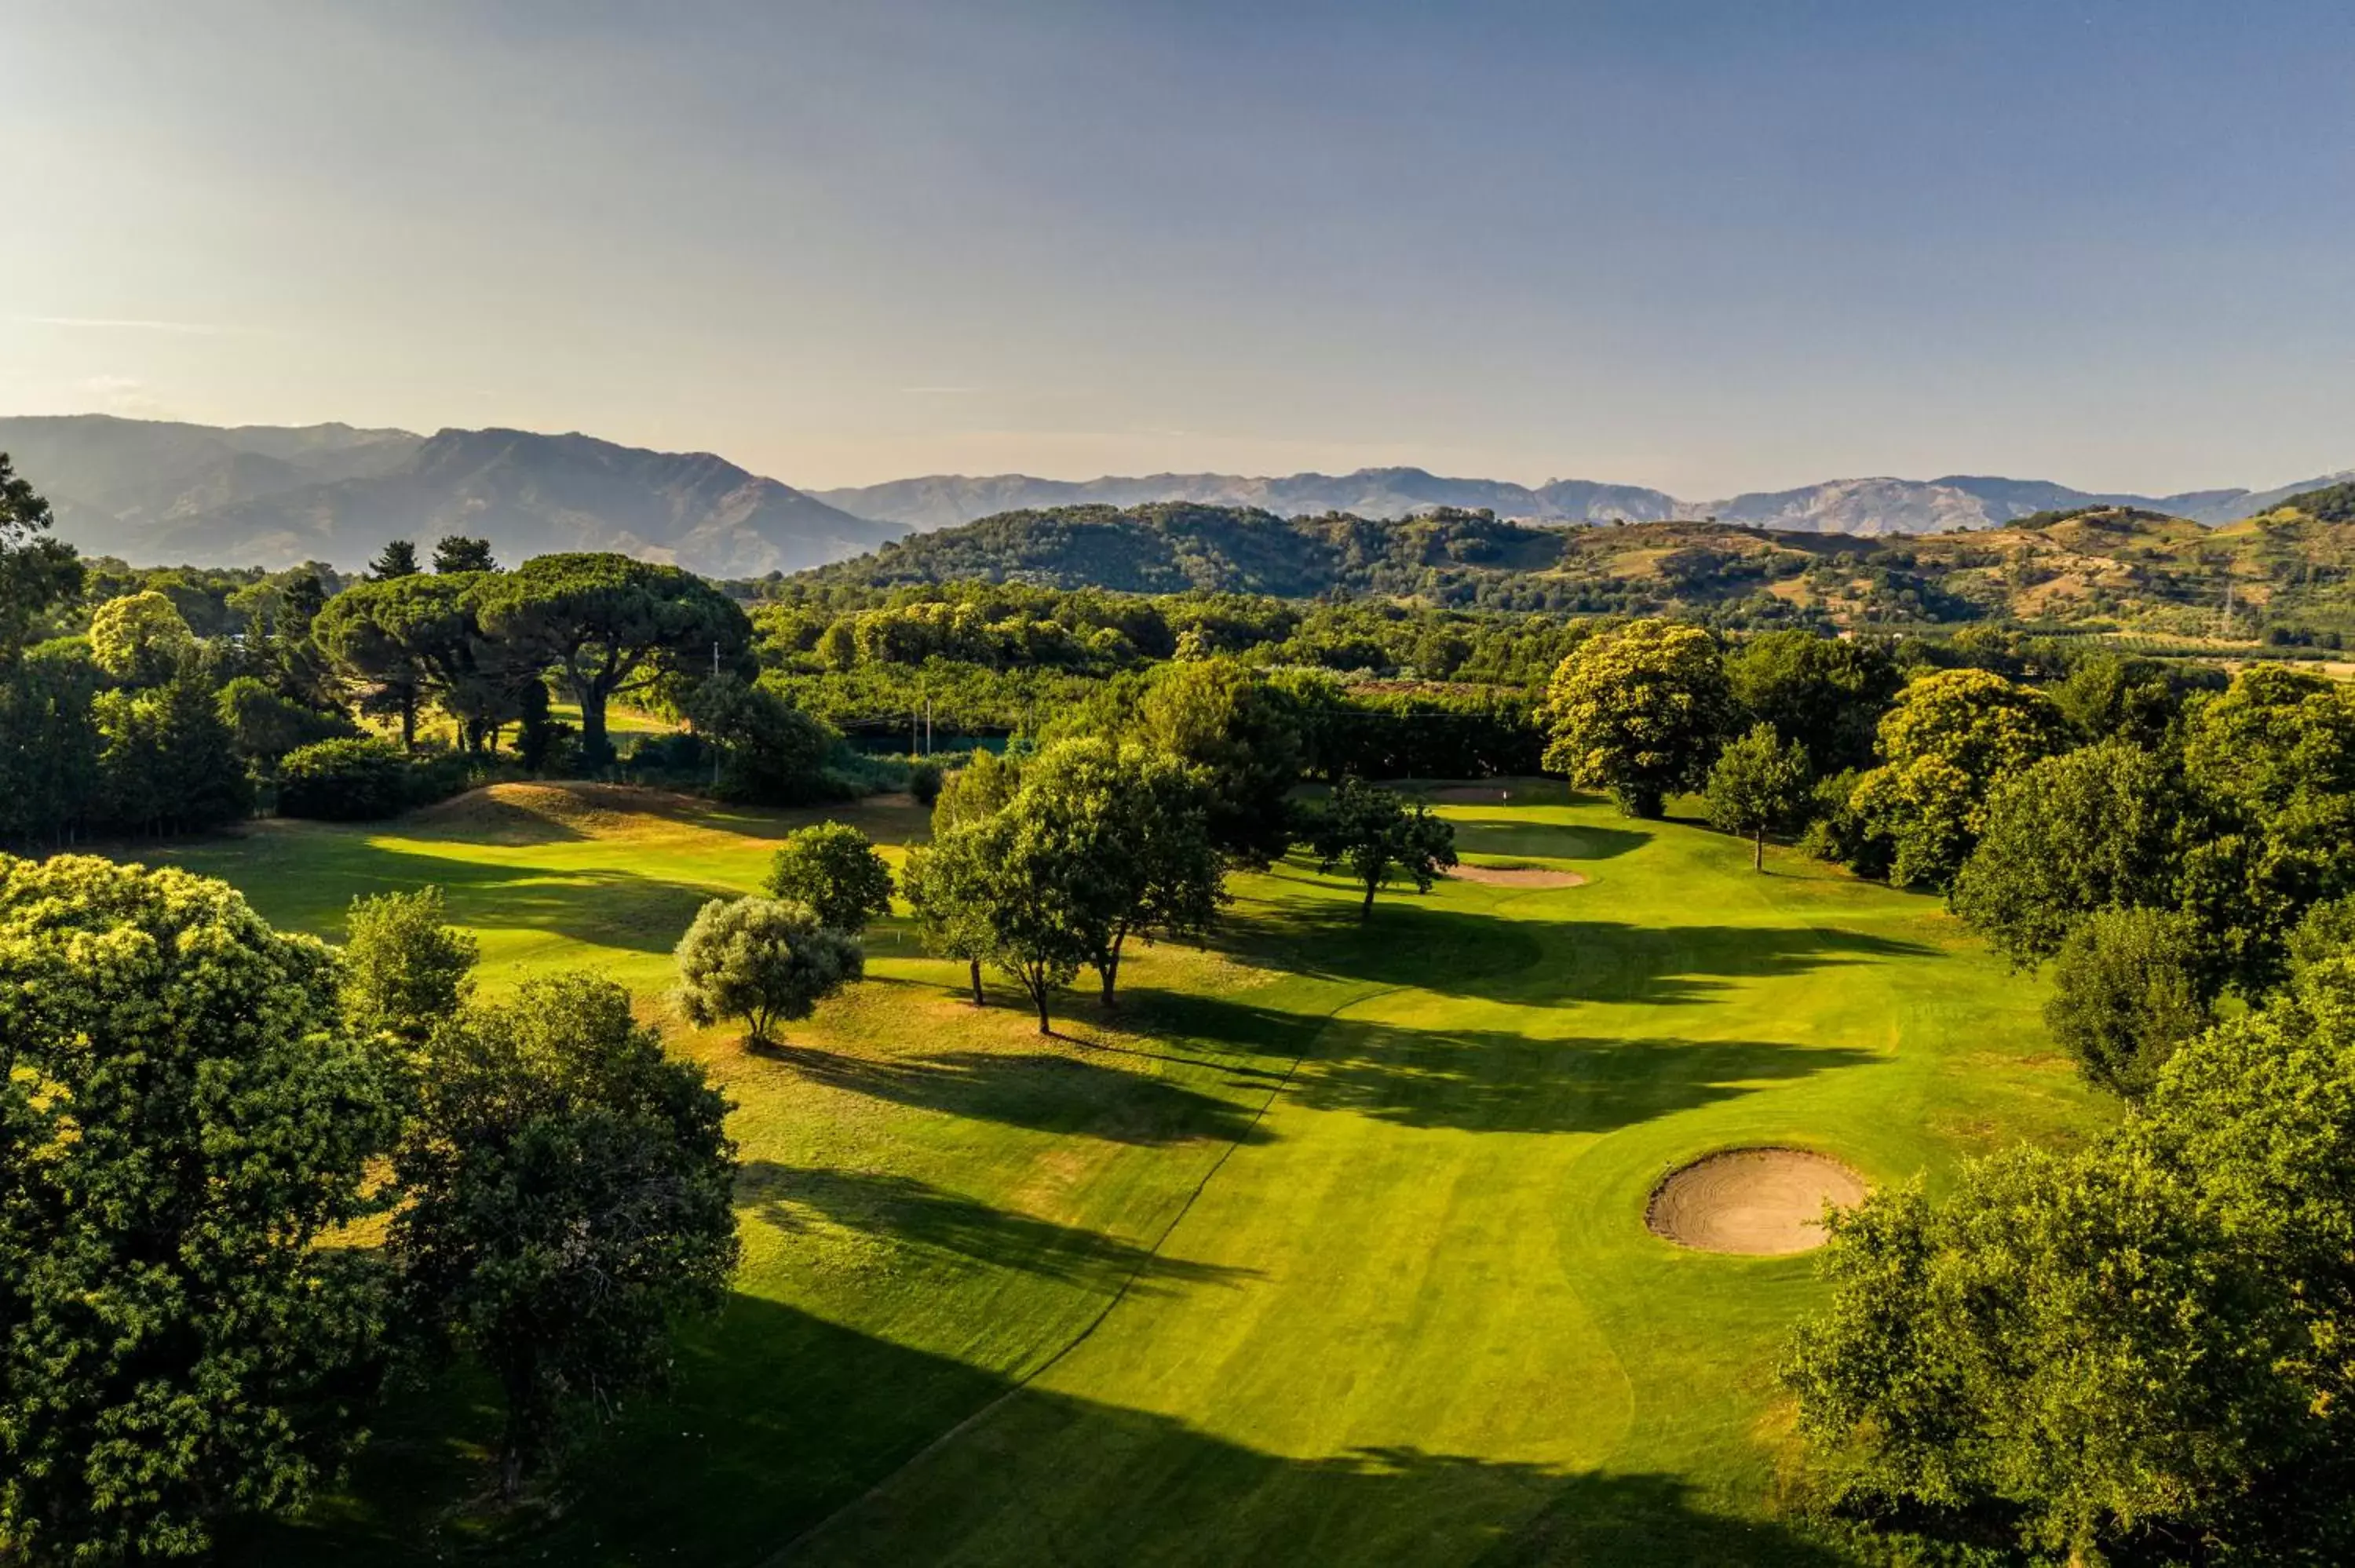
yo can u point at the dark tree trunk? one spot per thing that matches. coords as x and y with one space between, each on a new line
593 749
978 1000
1758 852
1365 910
1046 1026
408 719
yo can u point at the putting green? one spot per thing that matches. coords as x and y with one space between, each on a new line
1329 1247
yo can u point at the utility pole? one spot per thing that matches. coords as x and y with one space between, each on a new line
928 724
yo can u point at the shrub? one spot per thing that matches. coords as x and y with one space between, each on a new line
363 780
833 869
763 961
924 782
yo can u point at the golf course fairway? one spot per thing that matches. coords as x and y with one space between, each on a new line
1326 1245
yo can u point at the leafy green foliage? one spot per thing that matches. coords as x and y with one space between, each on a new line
1218 717
397 559
832 868
183 1118
764 961
611 625
36 571
2131 985
1380 838
1638 710
2130 1352
1758 784
345 782
2104 827
569 1196
1948 739
771 753
167 762
1821 692
457 553
407 972
141 638
264 726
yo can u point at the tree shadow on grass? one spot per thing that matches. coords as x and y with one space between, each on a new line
789 1438
600 905
936 1221
1042 1092
1459 953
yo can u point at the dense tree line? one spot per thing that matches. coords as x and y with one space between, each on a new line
197 1110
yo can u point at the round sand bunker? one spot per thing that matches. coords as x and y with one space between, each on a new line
1764 1201
1518 875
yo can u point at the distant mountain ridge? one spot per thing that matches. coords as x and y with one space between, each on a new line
160 491
1867 506
155 492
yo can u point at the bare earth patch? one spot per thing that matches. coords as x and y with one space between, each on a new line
1763 1201
1519 876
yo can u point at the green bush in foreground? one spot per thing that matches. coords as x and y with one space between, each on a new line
2136 1352
184 1116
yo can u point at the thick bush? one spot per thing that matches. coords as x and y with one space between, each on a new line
362 781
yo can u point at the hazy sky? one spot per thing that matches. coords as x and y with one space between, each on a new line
1708 247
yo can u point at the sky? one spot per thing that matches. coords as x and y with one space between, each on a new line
1705 247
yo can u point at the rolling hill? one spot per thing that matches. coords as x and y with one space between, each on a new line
1869 507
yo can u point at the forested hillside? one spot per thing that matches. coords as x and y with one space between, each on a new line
2283 575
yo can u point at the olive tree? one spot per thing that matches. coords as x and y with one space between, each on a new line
833 869
1637 711
569 1196
763 960
183 1117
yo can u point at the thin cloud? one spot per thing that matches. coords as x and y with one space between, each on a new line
940 391
124 324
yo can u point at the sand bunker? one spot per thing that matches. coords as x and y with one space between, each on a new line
1517 876
1764 1202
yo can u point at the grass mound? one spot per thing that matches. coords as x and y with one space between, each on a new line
532 813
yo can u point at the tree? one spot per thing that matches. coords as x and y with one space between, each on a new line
167 762
1217 715
407 972
981 787
771 753
1012 874
141 638
611 625
457 554
1759 782
414 637
264 726
2102 827
833 869
947 889
1381 839
2129 1352
1948 739
1822 692
2131 985
1637 711
397 559
763 960
49 771
1134 827
183 1117
570 1194
36 571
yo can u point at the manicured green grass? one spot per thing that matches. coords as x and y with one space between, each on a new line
1329 1247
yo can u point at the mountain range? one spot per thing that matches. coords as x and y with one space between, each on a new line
156 492
1867 507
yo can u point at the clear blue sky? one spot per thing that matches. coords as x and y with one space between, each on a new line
1704 245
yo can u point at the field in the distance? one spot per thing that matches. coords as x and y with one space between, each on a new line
1329 1248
